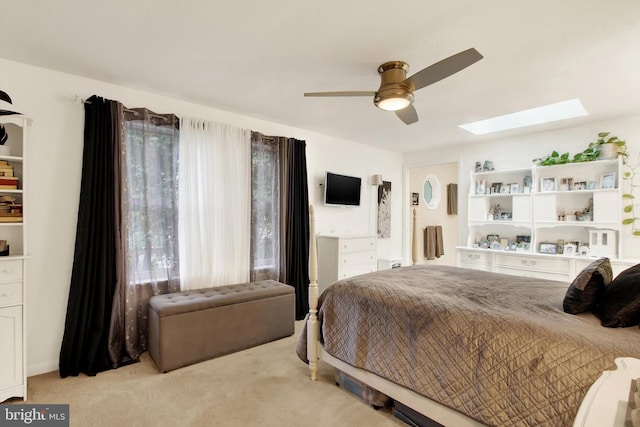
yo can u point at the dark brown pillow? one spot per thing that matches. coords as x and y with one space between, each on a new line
619 305
586 288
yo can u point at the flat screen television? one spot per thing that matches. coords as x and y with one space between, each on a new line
341 190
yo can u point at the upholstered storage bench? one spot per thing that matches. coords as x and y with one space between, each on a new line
192 326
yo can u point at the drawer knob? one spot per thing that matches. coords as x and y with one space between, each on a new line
7 270
6 294
473 256
528 262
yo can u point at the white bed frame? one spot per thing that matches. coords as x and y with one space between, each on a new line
315 352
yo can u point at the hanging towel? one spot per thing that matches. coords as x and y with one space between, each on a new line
430 242
433 243
439 242
452 199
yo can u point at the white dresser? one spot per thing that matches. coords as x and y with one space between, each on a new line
341 256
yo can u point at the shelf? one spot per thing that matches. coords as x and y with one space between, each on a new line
588 224
569 192
500 222
502 172
11 158
501 195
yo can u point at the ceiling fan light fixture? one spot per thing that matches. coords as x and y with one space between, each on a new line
393 104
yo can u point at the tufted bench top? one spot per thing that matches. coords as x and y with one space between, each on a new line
202 299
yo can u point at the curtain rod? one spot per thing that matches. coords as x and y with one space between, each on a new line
135 113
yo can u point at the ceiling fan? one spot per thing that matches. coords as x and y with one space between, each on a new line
396 90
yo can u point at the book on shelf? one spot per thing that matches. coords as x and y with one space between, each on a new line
9 183
5 218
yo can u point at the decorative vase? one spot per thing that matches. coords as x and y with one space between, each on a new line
607 151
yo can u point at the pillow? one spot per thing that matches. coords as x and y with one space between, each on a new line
586 288
619 305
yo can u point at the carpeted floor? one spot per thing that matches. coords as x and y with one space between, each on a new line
263 386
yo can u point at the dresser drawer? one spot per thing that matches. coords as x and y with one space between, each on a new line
475 257
10 270
357 269
557 265
524 272
356 258
10 294
357 244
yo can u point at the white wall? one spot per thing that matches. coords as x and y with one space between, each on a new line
55 163
511 152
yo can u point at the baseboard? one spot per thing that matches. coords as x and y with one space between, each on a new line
42 368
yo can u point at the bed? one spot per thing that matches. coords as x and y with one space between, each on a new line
463 347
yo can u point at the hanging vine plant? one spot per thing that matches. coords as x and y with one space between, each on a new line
631 207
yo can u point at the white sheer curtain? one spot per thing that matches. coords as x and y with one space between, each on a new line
215 204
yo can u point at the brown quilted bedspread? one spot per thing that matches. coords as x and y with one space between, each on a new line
497 348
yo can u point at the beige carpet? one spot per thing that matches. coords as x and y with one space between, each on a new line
262 386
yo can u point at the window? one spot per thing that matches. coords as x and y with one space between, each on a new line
265 209
150 196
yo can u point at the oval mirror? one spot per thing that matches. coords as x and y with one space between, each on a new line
431 191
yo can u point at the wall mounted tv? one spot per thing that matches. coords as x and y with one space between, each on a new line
341 190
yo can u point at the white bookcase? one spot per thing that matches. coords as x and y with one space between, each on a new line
13 379
548 217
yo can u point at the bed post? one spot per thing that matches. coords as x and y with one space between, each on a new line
313 328
414 243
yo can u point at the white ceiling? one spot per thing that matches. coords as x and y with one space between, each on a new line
257 58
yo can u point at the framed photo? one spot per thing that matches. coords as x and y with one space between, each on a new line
493 238
481 186
548 184
580 185
591 185
415 199
548 248
496 187
608 180
565 184
515 189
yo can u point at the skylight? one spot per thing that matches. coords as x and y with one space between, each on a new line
547 113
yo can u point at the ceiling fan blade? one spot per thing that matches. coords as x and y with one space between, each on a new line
350 93
443 69
408 115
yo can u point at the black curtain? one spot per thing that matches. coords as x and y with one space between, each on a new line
297 242
94 276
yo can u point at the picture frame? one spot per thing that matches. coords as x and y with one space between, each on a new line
515 188
496 187
608 180
415 199
548 248
481 186
591 185
548 184
565 184
580 185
